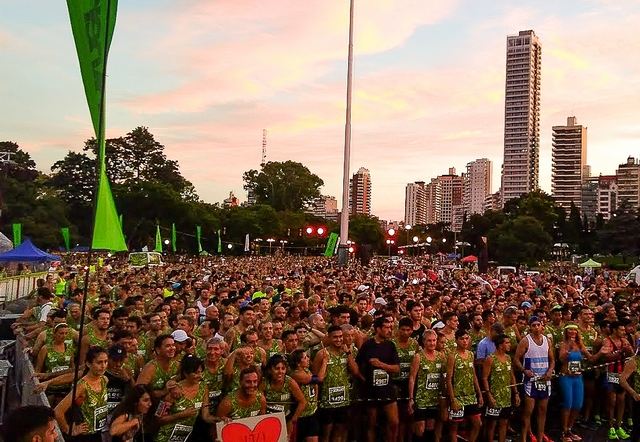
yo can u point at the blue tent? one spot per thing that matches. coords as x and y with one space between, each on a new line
27 252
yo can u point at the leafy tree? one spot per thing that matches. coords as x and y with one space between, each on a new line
621 235
285 186
519 240
139 157
365 229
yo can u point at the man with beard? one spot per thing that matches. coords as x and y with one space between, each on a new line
96 335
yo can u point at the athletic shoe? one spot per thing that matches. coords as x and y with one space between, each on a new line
612 434
574 437
629 422
533 438
597 420
622 434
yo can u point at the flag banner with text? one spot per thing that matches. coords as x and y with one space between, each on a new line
65 237
174 238
219 242
17 234
107 231
331 245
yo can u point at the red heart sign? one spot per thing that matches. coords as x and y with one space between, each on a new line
267 430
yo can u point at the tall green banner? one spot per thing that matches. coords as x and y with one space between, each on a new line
121 220
198 233
65 237
174 238
158 247
331 245
17 234
219 242
92 24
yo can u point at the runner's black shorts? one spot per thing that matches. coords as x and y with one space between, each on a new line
425 414
338 416
308 426
504 413
469 411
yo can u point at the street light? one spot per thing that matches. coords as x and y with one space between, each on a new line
391 231
166 242
390 242
270 241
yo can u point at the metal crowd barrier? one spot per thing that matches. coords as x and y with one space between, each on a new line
25 382
15 287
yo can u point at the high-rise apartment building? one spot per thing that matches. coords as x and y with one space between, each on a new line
324 206
433 201
452 188
477 185
628 177
360 192
520 167
607 197
415 210
569 163
442 195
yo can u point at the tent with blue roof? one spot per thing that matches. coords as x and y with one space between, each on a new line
27 252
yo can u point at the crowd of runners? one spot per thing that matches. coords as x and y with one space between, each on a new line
392 352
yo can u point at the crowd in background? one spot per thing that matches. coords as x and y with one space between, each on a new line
395 351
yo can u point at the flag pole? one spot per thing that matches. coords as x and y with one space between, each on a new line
101 169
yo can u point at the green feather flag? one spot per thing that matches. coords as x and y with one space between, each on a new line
174 238
65 236
158 247
92 24
198 233
219 242
17 234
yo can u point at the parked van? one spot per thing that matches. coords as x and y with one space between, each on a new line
138 260
505 271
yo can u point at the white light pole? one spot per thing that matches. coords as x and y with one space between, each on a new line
343 252
270 241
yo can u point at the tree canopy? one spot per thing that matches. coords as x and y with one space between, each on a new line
285 186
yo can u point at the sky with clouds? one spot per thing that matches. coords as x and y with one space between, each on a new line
207 76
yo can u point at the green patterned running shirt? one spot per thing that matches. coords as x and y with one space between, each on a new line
334 392
429 381
500 380
463 387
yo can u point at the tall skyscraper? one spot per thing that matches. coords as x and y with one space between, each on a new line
433 201
520 167
477 185
569 163
324 206
415 210
360 192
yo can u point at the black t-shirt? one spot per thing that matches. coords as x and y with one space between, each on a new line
378 382
116 389
417 334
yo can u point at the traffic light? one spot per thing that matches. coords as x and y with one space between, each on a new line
319 231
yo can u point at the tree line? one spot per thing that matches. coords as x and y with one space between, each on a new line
149 190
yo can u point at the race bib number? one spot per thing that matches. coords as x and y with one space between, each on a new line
433 381
59 368
540 384
613 378
493 412
180 433
380 378
456 414
275 408
405 368
214 394
197 405
337 395
574 367
100 418
312 391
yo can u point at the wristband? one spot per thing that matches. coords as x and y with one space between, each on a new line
314 379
